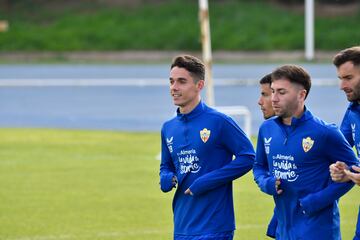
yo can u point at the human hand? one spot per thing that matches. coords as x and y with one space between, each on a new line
355 177
188 192
277 186
337 172
174 181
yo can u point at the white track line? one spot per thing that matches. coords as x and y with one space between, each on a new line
131 82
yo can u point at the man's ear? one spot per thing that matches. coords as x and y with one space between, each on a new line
303 94
200 84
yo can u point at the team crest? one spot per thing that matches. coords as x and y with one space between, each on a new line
205 135
307 144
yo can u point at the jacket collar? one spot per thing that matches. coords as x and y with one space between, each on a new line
354 106
200 108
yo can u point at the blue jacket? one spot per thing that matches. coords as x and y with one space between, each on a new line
300 156
350 128
198 149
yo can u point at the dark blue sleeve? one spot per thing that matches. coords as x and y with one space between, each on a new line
338 149
271 230
167 169
235 141
263 179
345 128
317 201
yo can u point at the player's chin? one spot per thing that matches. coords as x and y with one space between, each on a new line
277 110
350 97
178 102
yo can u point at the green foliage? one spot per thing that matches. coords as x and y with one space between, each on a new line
169 25
321 1
81 185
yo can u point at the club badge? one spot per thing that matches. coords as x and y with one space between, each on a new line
307 144
205 135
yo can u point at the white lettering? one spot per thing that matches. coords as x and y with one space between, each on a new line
283 157
284 167
189 161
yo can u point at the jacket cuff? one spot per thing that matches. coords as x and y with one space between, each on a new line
166 183
195 188
271 229
269 186
306 206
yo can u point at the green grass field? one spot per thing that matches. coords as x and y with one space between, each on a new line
167 25
88 185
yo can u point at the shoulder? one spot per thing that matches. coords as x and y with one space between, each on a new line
214 114
323 127
269 123
222 121
169 123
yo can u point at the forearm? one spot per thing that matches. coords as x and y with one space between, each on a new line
235 169
324 198
265 182
166 181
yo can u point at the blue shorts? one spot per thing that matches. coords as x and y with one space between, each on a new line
211 236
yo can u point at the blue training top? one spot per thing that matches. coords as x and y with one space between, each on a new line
198 149
299 155
350 128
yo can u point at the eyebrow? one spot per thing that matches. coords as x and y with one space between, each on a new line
278 89
181 78
345 76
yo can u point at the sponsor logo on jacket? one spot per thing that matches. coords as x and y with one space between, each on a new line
169 142
284 167
189 161
267 144
353 126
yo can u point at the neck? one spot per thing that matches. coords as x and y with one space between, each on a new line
297 114
189 107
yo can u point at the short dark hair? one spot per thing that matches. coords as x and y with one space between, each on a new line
293 73
266 79
192 64
349 54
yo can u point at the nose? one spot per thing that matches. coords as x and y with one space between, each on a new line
342 84
260 102
173 86
274 97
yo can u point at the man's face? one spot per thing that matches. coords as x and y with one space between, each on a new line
349 76
265 100
286 97
184 91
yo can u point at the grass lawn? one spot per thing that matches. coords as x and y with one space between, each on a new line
88 185
258 25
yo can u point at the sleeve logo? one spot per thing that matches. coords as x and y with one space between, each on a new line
353 126
169 142
267 144
307 144
205 135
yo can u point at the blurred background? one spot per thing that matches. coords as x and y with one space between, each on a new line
84 92
58 54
